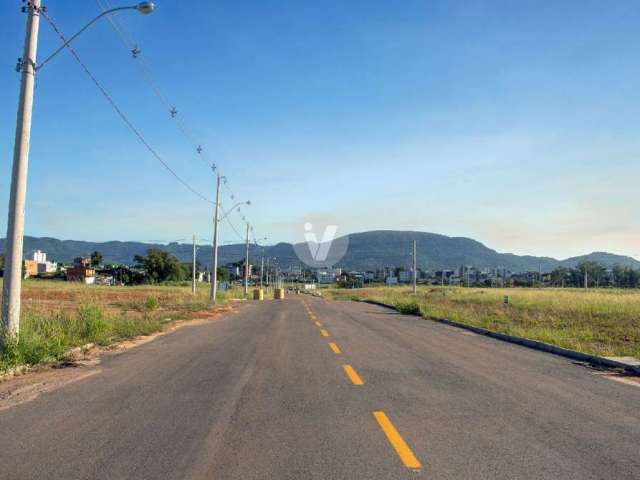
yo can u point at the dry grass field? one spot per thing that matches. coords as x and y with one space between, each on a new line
602 322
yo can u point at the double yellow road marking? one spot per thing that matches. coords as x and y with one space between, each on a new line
335 348
397 442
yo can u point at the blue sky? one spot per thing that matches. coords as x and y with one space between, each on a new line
514 123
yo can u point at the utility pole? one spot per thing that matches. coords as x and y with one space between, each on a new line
585 278
246 265
415 271
261 267
193 268
214 255
15 223
540 274
268 270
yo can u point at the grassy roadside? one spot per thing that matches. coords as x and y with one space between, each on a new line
59 316
599 322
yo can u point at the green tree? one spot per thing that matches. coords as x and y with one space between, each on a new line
560 276
595 274
96 258
223 275
160 266
617 274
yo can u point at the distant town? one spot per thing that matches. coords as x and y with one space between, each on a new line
92 270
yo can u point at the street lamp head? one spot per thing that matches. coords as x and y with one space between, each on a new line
248 202
145 7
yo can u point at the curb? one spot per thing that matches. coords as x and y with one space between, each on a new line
534 344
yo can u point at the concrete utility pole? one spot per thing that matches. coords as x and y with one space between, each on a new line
261 267
585 279
193 268
214 255
415 271
246 265
268 270
15 223
17 197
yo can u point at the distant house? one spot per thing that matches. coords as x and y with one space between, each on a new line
44 266
328 275
38 264
30 268
81 271
405 276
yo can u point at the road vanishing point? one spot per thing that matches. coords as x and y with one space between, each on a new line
306 388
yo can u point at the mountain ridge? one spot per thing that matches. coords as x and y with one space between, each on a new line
367 251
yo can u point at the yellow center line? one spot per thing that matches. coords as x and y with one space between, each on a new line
397 442
335 348
318 324
353 376
324 333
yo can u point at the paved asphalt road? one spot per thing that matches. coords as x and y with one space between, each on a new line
261 394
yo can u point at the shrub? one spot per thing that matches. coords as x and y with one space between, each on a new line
409 308
92 323
152 303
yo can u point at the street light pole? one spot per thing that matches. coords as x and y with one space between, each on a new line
261 268
15 224
415 270
268 276
17 196
193 268
214 255
246 265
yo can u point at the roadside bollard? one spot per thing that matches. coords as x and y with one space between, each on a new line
278 294
258 294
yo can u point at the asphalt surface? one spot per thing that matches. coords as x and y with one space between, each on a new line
261 394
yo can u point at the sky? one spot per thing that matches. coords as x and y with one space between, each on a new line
513 123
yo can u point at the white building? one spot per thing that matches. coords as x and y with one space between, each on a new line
43 265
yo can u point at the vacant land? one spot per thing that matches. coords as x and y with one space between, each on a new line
57 316
601 322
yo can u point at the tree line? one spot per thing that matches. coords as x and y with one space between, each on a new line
160 266
594 275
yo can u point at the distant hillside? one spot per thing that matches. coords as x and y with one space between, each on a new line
376 249
367 251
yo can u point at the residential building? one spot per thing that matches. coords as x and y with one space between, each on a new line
81 271
405 276
30 268
39 258
328 275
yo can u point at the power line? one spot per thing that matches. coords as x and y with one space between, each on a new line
120 113
131 45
